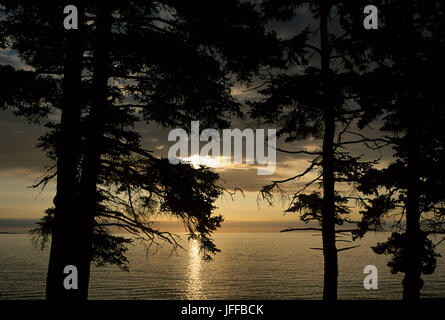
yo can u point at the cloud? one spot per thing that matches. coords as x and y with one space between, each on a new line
18 144
11 57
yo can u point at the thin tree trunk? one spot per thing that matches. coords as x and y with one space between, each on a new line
64 249
94 142
412 282
328 214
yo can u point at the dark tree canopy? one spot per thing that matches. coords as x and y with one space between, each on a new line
316 97
161 62
406 59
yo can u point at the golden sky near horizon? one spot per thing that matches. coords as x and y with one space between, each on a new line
245 212
21 164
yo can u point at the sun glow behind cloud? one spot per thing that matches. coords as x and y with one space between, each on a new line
211 162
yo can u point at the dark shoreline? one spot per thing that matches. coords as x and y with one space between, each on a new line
4 232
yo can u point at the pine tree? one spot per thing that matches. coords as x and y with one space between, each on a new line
407 97
160 62
318 98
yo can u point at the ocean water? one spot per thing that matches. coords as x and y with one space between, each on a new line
250 266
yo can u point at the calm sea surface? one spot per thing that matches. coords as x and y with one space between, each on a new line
250 266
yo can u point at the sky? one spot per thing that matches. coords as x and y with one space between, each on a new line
21 164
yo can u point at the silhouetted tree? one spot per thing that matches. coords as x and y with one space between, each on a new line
26 30
164 61
317 97
406 54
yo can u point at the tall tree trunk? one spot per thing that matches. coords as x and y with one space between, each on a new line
94 141
328 214
412 282
64 249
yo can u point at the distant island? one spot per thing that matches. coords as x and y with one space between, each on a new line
4 232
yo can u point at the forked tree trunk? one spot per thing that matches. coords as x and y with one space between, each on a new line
328 214
65 249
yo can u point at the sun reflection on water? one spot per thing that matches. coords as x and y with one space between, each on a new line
194 282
